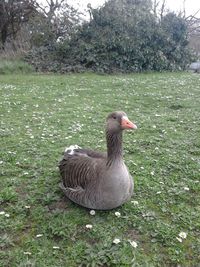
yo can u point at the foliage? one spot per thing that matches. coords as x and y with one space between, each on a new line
176 40
26 25
53 23
123 36
13 14
14 67
43 114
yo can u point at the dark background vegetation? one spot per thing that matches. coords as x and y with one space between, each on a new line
120 36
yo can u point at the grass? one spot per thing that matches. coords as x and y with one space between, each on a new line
42 114
14 67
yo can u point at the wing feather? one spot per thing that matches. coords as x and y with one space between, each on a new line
77 170
87 153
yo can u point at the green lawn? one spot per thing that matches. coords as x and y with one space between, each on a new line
42 114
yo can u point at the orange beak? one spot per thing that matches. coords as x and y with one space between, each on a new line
127 124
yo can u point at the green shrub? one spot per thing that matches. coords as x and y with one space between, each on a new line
122 36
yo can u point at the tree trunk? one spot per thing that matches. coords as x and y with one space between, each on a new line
4 35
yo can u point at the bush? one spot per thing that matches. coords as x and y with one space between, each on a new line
122 36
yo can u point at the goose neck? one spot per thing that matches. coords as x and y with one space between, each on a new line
114 146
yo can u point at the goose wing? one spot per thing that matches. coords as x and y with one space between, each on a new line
79 175
80 168
85 153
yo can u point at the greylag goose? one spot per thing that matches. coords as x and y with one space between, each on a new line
98 180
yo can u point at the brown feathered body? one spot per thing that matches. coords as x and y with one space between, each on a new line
97 180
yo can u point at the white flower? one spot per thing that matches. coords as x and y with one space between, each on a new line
92 212
27 207
183 235
135 202
7 215
152 173
116 241
186 188
39 235
179 239
2 212
133 244
118 214
88 226
55 247
27 253
68 137
158 193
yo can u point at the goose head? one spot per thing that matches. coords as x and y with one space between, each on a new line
118 121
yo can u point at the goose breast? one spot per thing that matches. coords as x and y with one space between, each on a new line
117 186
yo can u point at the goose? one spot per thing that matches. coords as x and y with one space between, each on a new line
95 180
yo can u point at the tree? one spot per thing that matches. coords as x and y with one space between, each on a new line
175 37
194 34
125 36
13 14
115 36
56 20
43 24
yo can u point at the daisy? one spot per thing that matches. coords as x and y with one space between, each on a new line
116 241
117 214
88 226
182 235
92 212
133 244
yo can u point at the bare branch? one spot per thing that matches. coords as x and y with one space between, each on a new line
193 16
162 9
184 12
